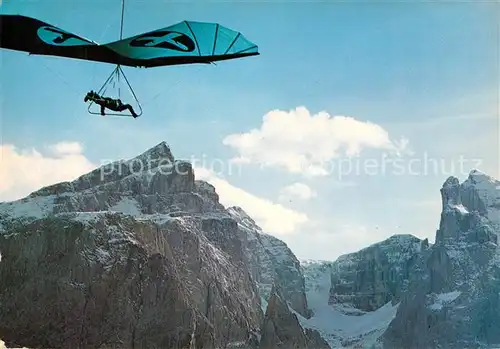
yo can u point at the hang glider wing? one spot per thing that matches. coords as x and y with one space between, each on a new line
184 43
31 35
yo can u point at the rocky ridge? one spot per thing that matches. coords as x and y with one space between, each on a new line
113 254
272 263
378 274
406 293
282 329
453 300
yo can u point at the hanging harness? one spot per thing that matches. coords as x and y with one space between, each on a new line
116 73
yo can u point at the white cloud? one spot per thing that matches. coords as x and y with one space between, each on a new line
66 148
304 143
297 190
24 171
271 217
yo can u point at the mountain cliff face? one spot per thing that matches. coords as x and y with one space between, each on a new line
272 262
137 254
140 254
405 293
341 323
282 329
453 299
370 278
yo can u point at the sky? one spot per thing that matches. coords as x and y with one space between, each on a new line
339 135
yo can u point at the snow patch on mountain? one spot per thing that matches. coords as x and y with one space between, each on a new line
340 325
127 206
26 209
443 299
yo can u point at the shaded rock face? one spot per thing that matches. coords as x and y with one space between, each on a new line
376 275
271 261
281 328
453 300
66 285
136 254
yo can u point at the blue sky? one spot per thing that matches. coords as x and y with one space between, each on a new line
425 72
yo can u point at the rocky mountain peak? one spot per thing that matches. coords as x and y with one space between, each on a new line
478 176
450 192
158 155
162 149
485 188
143 243
154 171
473 203
451 181
453 296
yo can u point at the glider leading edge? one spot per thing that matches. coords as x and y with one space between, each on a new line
186 42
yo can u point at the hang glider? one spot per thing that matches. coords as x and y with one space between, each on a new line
186 42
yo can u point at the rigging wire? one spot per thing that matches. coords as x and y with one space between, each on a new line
121 23
121 37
